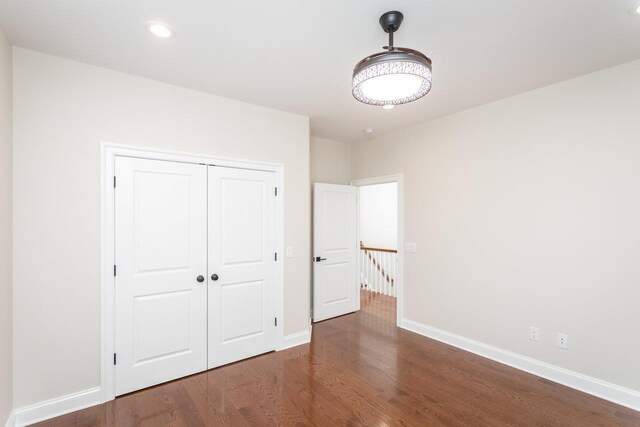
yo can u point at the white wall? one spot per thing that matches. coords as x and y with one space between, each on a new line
329 161
526 212
379 215
6 341
62 111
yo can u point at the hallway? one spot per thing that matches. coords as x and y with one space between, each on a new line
360 369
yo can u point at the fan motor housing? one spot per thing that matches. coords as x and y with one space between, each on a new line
390 21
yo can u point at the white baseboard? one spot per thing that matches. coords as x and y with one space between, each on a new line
11 421
55 407
602 389
296 339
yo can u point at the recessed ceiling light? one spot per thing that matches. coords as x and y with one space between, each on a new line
634 11
388 107
368 130
159 29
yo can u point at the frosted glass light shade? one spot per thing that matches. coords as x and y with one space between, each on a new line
392 78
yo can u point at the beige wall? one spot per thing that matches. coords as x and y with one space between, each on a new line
526 212
329 161
6 341
63 110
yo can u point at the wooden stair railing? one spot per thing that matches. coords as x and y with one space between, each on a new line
372 283
369 248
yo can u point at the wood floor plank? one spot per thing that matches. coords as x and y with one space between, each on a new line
360 369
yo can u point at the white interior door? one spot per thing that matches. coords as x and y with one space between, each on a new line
335 287
160 250
242 264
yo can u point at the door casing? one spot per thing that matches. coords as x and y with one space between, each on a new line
109 152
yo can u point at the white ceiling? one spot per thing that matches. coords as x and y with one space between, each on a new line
297 55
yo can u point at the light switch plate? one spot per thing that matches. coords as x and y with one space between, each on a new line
410 248
289 252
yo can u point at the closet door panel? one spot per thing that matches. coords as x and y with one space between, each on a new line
161 249
242 257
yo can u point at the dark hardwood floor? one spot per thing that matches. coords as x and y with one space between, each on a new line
359 370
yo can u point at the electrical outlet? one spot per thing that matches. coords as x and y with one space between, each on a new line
562 341
534 333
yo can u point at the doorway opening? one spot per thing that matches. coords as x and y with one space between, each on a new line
378 245
380 241
352 255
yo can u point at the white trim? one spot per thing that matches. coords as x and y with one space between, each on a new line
55 407
398 178
602 389
11 421
107 321
299 338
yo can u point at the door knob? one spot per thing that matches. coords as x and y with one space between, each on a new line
200 279
318 259
214 277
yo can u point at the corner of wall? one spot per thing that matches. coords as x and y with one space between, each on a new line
6 230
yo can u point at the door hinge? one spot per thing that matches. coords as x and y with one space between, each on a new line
114 270
276 321
114 182
114 358
276 256
276 191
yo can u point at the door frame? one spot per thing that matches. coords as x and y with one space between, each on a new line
399 179
108 154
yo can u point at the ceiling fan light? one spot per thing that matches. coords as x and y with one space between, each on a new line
392 78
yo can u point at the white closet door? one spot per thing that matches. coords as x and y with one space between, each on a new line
335 282
161 249
242 265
